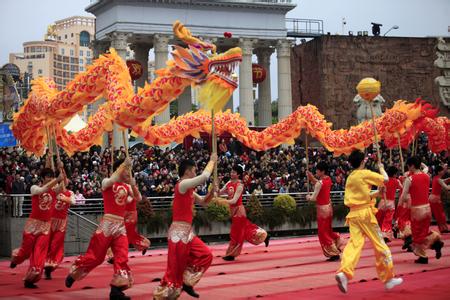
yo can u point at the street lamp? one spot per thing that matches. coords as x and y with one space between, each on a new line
393 27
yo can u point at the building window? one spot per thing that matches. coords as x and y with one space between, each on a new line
88 53
81 68
71 52
65 36
81 61
85 39
62 51
40 71
88 61
71 35
81 52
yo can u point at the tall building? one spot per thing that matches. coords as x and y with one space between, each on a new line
62 54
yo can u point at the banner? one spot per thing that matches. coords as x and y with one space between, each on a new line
7 138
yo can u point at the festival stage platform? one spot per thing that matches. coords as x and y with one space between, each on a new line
291 268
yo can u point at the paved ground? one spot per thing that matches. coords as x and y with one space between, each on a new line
288 269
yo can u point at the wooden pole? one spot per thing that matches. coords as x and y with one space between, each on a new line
390 156
50 150
375 132
307 160
112 153
58 157
401 153
214 145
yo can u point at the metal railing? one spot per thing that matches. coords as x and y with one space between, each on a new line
95 206
304 27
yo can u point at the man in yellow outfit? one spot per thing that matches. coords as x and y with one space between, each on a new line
363 223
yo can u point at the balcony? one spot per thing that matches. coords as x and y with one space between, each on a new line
304 28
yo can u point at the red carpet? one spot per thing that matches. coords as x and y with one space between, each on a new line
289 269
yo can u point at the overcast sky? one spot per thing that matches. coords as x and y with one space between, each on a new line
27 20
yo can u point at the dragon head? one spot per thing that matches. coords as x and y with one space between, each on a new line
213 73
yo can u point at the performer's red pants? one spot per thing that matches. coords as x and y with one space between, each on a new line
404 221
243 230
55 252
438 212
422 236
110 233
138 241
330 241
34 246
384 218
187 260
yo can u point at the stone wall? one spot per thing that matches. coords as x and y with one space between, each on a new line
326 70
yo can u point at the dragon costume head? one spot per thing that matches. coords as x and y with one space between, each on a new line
213 73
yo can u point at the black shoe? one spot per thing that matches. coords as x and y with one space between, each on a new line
69 281
267 240
422 260
437 246
395 233
12 265
29 285
190 291
48 273
110 260
334 258
117 294
228 258
144 251
386 240
407 243
409 249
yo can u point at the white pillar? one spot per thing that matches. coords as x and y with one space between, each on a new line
245 81
284 79
161 44
141 55
185 101
264 92
119 41
229 104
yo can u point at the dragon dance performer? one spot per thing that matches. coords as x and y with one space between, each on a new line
386 207
37 228
188 257
241 228
417 185
435 198
402 223
330 241
55 252
139 242
362 223
111 232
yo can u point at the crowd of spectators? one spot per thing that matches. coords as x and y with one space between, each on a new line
279 170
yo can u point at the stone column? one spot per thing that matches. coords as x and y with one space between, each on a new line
185 102
264 92
141 55
119 41
161 44
284 79
245 81
99 47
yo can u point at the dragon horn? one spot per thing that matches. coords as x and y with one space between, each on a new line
185 35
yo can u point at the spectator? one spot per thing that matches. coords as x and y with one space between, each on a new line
18 188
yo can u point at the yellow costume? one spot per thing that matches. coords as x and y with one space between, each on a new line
362 222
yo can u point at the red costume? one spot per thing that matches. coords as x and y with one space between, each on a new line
138 241
436 204
36 234
110 233
386 208
55 252
188 257
403 216
329 241
241 228
423 237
